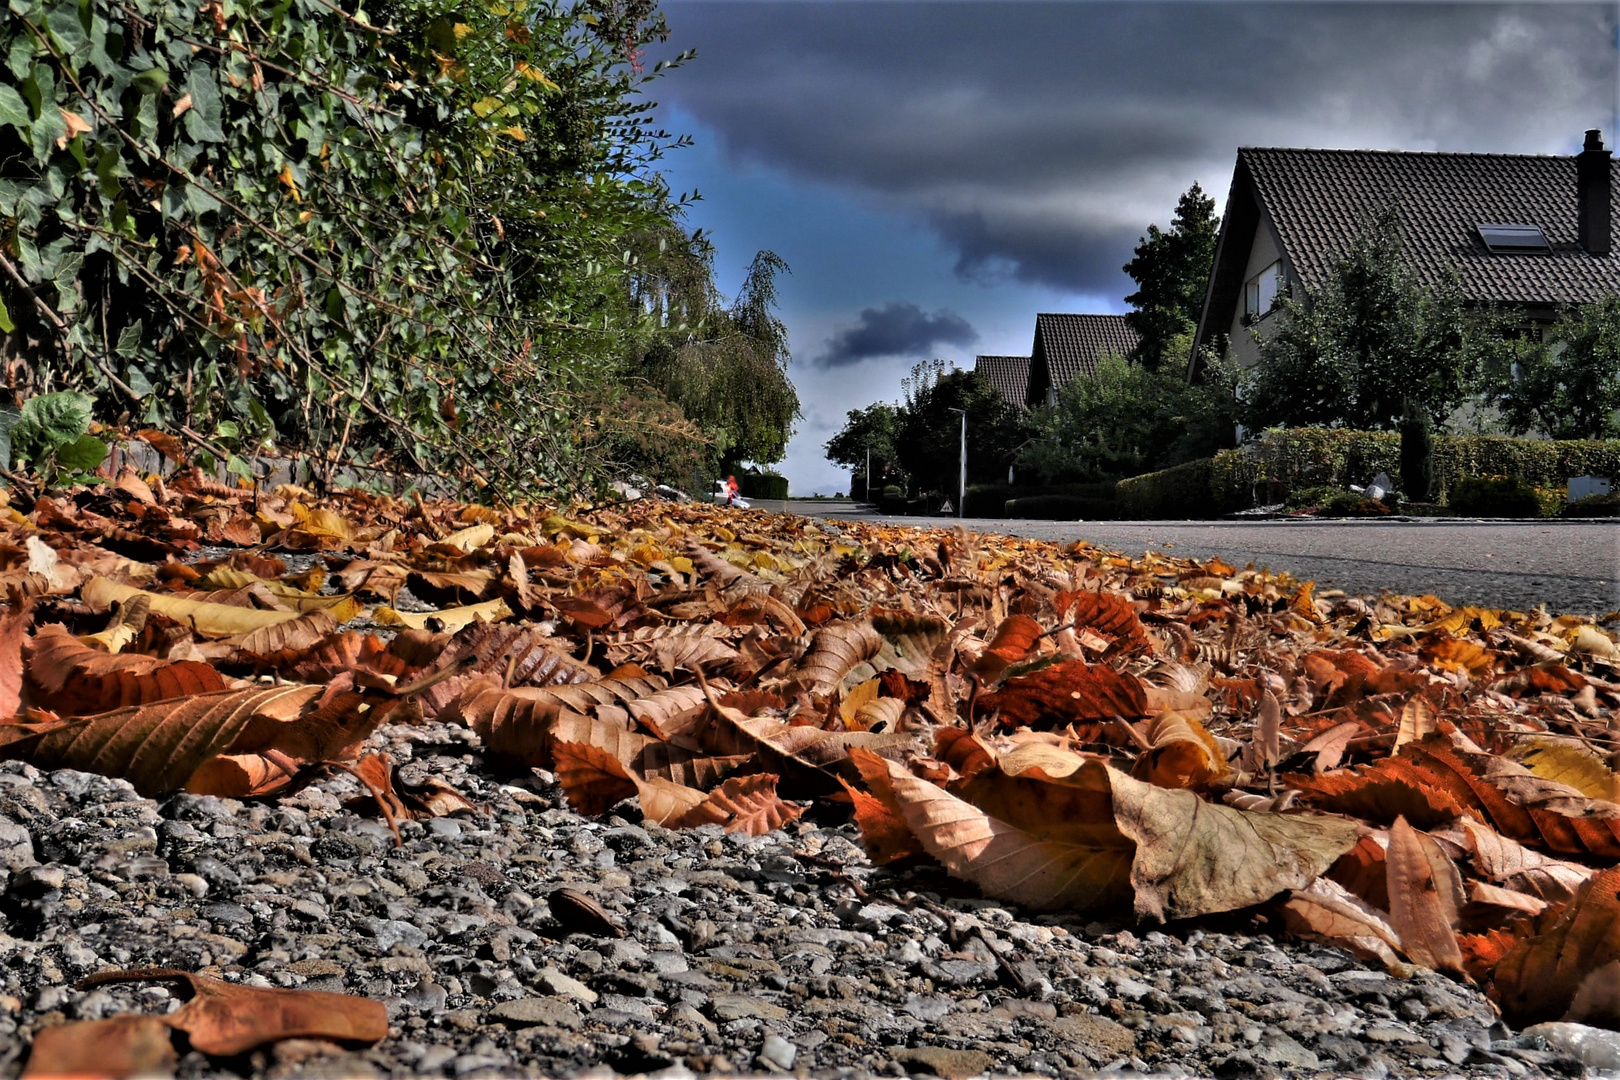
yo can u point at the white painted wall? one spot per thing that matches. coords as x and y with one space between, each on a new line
1264 250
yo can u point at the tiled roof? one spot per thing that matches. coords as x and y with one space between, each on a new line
1072 344
1008 374
1317 199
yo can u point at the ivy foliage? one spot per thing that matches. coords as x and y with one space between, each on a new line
397 234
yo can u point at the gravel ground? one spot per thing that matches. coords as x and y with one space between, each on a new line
1570 567
786 954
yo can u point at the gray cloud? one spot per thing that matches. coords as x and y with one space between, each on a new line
895 329
1040 139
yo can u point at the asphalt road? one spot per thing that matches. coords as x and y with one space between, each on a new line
1571 567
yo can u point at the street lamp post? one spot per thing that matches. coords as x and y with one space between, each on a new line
961 479
868 472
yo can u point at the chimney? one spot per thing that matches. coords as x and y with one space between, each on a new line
1592 194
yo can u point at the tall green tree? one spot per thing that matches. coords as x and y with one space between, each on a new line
1171 269
1128 419
929 445
724 365
1568 386
1373 344
869 435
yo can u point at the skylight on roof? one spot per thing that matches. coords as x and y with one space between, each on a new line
1514 239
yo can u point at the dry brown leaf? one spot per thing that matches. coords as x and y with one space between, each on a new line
118 1048
1050 829
834 652
229 1018
1105 613
69 677
1326 911
1425 894
157 747
1417 721
1015 637
746 804
1181 754
1537 980
1067 692
295 635
13 629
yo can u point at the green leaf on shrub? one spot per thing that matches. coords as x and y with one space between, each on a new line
14 110
49 422
203 118
84 454
8 420
6 325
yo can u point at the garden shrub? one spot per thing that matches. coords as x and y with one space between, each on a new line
1059 508
1181 491
1594 506
1349 504
762 484
987 500
1494 496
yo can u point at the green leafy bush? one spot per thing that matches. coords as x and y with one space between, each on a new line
391 233
1349 504
762 484
987 500
1594 506
1285 459
1495 496
1059 508
51 435
1181 491
1312 498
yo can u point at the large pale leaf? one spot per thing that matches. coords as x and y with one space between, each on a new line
1424 896
207 619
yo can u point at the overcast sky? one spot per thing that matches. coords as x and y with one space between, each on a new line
936 173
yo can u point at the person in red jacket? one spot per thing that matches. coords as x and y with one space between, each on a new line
731 491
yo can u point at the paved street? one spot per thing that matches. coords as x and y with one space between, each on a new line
1569 566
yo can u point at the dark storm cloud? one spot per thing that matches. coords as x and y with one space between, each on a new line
1041 139
896 329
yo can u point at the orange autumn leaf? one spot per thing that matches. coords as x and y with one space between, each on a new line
1425 894
1067 692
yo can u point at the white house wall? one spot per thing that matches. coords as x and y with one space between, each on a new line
1263 251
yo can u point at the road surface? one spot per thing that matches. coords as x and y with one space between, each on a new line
1569 566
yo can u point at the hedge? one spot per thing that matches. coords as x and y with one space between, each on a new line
1060 508
1181 491
987 500
762 485
1265 471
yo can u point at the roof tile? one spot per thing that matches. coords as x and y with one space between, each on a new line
1008 374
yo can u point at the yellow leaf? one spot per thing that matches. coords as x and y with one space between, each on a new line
1567 763
461 30
286 178
453 619
471 538
534 74
208 619
513 132
858 696
485 105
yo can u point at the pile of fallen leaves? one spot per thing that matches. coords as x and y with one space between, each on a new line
1064 728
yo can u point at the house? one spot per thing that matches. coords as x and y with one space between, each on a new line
1008 374
1070 345
1531 232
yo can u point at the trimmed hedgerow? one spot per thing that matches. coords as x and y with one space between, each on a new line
1282 461
1181 491
1060 508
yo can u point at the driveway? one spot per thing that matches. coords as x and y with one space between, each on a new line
1569 566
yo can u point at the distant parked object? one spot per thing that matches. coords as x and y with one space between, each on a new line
725 495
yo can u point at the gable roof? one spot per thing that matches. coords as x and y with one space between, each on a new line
1008 374
1070 345
1317 200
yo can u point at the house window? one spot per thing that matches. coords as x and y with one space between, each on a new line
1514 239
1260 292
